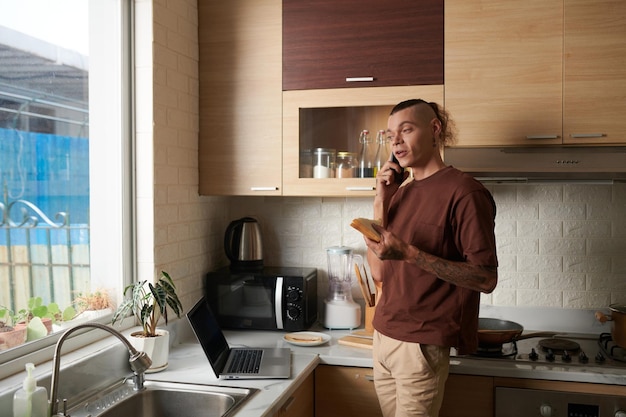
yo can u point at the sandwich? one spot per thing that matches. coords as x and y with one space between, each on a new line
364 226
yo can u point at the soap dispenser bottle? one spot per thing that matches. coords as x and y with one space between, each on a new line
30 400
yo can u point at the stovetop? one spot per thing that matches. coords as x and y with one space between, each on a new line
567 353
569 350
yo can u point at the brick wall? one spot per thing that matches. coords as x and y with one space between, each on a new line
559 245
178 231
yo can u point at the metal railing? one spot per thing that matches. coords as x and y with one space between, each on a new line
40 257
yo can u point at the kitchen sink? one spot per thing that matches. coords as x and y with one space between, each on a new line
165 399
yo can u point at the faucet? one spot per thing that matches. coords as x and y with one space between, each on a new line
139 363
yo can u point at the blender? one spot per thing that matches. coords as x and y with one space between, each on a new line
341 311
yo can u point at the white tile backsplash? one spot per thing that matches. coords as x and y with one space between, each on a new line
560 246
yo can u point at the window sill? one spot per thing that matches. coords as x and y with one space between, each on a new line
40 352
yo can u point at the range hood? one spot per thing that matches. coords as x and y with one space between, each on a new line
540 163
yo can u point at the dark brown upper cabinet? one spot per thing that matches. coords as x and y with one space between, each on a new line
350 43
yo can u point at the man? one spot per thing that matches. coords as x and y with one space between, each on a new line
436 254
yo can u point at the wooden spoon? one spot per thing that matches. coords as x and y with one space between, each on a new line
366 295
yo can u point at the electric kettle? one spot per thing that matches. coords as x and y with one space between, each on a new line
243 244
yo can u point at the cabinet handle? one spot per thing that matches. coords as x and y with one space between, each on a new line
359 79
369 377
588 135
287 404
542 136
263 188
360 188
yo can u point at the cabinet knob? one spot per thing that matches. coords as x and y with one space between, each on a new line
545 410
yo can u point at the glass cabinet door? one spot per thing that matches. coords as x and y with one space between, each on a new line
321 130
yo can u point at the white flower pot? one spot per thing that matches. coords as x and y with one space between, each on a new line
157 348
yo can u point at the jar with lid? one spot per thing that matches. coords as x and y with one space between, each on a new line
346 164
324 162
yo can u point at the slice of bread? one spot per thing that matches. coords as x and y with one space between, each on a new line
364 226
303 338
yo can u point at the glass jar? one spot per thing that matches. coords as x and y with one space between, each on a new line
346 164
306 169
324 162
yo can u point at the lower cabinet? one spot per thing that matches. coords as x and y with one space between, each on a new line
468 395
343 391
300 403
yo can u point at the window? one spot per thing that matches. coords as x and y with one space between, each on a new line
65 178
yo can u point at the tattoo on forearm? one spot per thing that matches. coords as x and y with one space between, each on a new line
458 273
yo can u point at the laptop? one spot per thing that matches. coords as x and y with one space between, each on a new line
240 362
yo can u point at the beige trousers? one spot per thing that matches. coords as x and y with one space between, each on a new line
409 377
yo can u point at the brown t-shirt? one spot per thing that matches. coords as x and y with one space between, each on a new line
450 215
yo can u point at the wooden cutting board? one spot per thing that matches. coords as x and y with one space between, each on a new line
360 342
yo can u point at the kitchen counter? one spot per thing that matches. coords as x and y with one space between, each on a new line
189 364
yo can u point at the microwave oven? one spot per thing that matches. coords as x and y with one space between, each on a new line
270 298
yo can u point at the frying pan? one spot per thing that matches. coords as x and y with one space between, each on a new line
492 332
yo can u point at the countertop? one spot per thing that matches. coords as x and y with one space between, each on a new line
189 364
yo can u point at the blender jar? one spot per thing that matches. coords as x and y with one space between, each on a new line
341 311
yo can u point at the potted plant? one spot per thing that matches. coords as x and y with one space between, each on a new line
149 303
39 317
92 305
10 336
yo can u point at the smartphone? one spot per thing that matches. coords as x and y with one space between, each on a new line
398 177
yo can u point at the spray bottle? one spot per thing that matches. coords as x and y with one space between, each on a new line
30 400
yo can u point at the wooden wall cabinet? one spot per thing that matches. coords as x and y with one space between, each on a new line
240 143
333 119
326 43
536 73
250 138
594 72
541 72
503 71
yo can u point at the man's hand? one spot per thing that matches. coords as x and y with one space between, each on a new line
389 246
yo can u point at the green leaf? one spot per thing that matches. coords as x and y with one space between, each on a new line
68 314
39 311
149 304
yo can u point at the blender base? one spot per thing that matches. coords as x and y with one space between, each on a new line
342 315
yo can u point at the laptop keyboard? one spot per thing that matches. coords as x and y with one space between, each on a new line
246 361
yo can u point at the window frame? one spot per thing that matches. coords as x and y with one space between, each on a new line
104 17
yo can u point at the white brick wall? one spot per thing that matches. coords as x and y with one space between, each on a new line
559 245
178 231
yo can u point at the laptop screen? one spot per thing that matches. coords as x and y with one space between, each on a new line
209 334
